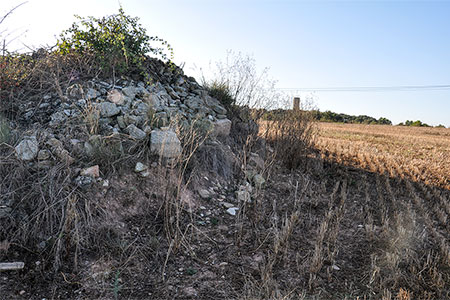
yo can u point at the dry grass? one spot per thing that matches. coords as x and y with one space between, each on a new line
422 154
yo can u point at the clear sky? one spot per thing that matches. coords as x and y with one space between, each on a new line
306 44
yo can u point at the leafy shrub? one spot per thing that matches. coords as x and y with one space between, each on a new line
118 42
221 92
14 69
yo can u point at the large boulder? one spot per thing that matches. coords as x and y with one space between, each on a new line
165 143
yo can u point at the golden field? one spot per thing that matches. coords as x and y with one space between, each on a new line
418 153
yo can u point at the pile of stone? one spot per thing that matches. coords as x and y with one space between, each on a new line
141 111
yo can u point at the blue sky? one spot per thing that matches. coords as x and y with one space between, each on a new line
304 43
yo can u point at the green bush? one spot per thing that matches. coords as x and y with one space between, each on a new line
221 92
118 42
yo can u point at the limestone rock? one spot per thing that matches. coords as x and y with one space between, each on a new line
129 91
140 167
204 193
109 109
91 94
222 127
232 211
165 143
28 148
135 132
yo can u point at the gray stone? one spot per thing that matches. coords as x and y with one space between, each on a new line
258 180
43 155
140 167
222 127
109 109
243 195
84 181
28 148
133 120
145 173
135 132
142 108
227 204
57 118
165 143
219 109
121 122
172 93
204 194
129 91
91 94
44 105
232 211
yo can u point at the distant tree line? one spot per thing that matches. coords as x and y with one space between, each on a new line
418 123
329 116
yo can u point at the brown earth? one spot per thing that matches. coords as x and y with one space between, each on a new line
364 218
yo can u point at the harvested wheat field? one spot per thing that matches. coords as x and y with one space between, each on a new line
393 209
418 153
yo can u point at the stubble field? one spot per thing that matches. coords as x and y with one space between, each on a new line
398 189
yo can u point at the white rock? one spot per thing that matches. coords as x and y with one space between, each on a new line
222 127
336 268
232 210
140 167
28 148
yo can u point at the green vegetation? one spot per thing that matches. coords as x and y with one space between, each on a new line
221 92
118 42
417 123
329 116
